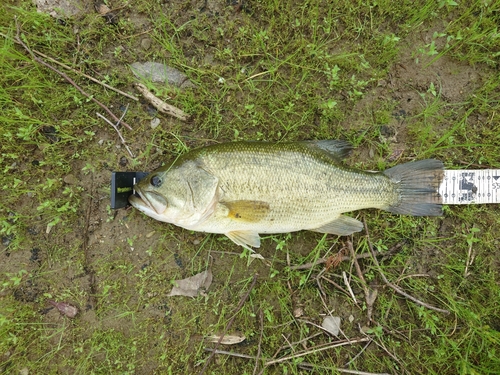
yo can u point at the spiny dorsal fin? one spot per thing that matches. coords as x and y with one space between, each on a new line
333 147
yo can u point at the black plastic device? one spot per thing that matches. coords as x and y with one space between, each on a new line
122 186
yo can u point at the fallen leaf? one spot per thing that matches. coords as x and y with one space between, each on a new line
192 286
65 308
331 324
233 339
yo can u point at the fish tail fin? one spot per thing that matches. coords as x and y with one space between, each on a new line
417 185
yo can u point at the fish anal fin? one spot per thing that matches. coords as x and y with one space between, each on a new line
342 226
244 238
247 210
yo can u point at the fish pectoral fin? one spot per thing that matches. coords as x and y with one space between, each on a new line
244 238
246 210
342 226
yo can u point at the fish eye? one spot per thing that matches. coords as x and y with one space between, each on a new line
155 181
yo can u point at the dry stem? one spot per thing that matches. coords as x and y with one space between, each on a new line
370 294
230 323
317 349
307 266
118 130
18 40
391 285
160 105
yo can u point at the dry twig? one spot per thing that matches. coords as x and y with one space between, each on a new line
370 294
348 285
118 130
232 354
339 288
310 366
230 323
76 71
160 105
307 266
18 40
130 96
259 347
391 285
317 349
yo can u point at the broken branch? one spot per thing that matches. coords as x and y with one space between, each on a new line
118 130
391 285
317 349
18 40
230 323
307 266
160 105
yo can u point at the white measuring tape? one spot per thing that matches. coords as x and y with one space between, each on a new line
470 186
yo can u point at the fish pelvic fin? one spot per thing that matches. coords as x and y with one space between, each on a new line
417 185
342 226
244 238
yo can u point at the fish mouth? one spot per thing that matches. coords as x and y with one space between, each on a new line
148 202
138 200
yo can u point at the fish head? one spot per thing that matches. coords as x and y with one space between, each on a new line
183 195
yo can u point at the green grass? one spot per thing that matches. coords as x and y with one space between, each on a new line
420 78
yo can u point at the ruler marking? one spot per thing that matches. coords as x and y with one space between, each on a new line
470 186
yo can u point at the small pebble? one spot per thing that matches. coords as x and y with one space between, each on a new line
123 161
146 43
6 240
152 111
298 312
35 255
32 230
178 260
70 180
155 122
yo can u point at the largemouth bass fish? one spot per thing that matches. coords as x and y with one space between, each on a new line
241 189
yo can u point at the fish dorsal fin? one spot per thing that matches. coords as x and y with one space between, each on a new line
245 238
342 226
333 147
247 210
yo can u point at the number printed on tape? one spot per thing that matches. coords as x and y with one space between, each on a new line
470 186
